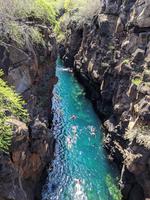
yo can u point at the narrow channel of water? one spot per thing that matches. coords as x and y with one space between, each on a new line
80 169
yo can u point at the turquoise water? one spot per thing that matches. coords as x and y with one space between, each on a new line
80 166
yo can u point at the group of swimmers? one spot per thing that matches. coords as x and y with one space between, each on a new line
71 140
79 191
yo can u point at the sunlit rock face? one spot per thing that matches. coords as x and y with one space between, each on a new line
31 71
112 61
140 15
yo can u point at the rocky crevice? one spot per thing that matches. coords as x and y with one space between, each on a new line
31 70
112 62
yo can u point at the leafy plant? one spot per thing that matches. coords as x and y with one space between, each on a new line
11 104
58 31
16 32
36 36
126 61
137 81
45 10
69 5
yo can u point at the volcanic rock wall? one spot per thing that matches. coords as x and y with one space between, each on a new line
31 70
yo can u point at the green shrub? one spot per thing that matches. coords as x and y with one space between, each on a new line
126 61
59 32
79 11
45 9
36 36
82 10
113 189
16 32
137 81
69 5
15 13
11 104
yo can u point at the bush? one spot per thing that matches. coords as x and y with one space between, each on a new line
15 13
79 11
11 104
137 81
82 11
22 9
113 189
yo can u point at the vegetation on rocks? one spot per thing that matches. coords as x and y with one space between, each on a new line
16 17
11 105
19 20
81 11
75 11
113 189
137 81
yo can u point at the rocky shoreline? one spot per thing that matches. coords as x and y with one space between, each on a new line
31 70
111 59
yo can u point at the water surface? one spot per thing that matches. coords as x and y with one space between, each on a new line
80 166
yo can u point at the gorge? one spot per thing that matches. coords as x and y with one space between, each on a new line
69 149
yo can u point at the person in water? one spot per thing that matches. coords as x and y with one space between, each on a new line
78 186
74 129
79 191
69 142
70 70
72 140
73 117
92 130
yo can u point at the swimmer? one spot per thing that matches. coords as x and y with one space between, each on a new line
79 192
92 130
73 117
77 181
67 70
74 129
69 142
78 186
70 70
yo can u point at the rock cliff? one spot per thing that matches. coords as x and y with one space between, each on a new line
111 57
31 70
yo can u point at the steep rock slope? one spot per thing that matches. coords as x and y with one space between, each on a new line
31 70
111 56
